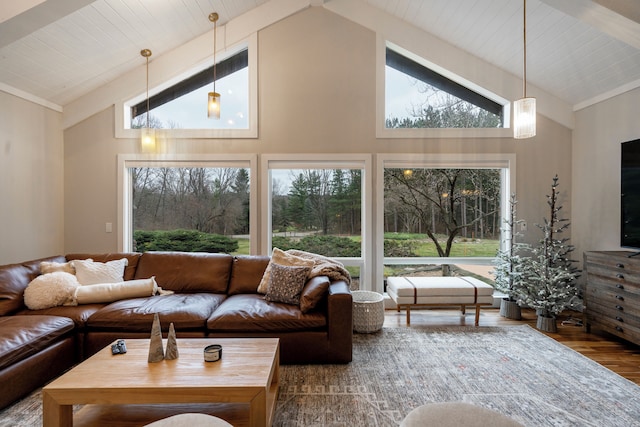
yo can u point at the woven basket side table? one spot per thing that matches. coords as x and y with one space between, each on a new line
368 311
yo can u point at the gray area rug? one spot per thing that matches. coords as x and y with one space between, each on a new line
514 370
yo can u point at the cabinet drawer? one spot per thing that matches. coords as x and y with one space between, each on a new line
623 330
628 278
614 261
613 298
617 315
613 285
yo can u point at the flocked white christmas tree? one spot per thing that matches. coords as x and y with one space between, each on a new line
508 261
549 276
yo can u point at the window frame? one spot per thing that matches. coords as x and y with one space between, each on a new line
123 108
505 162
326 161
408 133
124 193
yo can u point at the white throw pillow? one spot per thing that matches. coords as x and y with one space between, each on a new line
50 290
280 257
89 272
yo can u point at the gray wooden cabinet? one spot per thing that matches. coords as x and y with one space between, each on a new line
612 294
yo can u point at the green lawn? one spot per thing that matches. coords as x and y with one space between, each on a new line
424 246
461 247
243 247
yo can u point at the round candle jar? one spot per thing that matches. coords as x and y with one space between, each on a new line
212 353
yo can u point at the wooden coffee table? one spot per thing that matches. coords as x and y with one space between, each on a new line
246 374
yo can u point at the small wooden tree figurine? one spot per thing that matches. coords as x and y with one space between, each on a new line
549 276
507 269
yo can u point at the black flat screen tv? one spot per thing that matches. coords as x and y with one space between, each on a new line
630 195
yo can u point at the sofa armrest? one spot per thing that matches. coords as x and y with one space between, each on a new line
340 322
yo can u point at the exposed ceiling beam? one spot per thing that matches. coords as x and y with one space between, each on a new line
617 18
9 9
626 8
26 17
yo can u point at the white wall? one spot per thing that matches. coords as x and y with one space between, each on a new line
31 181
596 170
317 82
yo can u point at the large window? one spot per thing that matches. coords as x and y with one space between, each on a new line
199 206
319 206
441 212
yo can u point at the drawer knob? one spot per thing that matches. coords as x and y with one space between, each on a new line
619 265
619 319
620 276
619 307
619 286
620 297
619 329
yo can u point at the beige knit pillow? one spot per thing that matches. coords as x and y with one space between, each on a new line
280 257
89 272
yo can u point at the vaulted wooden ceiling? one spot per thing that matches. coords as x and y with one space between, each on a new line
582 51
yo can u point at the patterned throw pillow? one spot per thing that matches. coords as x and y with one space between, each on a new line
281 257
286 283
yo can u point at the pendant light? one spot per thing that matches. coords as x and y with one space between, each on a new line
524 109
213 103
147 135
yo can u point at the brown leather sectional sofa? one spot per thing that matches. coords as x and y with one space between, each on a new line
214 296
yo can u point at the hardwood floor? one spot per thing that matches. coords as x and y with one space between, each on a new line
620 356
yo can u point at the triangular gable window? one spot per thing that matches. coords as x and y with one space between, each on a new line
183 105
419 97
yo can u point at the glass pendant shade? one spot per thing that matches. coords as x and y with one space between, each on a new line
148 140
213 105
524 118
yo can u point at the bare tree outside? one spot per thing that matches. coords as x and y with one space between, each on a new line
206 200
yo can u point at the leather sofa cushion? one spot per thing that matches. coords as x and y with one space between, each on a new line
252 313
185 311
24 336
246 273
187 272
79 314
129 270
14 278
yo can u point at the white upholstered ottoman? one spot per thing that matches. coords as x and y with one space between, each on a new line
412 292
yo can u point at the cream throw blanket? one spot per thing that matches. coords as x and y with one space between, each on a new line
109 292
324 266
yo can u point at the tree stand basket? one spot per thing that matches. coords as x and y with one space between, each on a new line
368 311
510 309
547 324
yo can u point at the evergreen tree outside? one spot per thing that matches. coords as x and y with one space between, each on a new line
440 109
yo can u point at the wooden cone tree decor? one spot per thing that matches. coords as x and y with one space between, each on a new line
172 344
156 351
548 276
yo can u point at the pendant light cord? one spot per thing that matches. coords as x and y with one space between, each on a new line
147 92
524 81
215 26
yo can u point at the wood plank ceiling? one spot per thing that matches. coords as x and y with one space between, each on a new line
577 49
